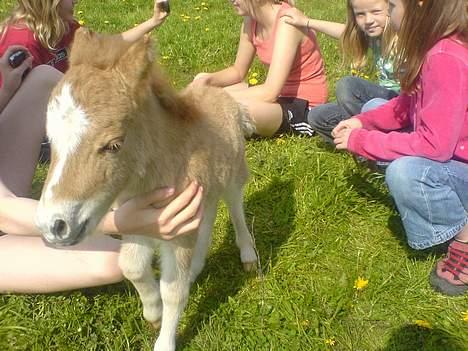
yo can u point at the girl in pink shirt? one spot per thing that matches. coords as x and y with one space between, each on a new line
296 76
428 171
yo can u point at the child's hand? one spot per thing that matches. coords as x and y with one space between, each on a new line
161 214
295 17
341 139
12 77
201 79
161 11
351 123
342 131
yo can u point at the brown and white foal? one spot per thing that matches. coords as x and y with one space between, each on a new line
117 130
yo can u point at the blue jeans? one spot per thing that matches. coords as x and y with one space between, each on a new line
351 95
431 196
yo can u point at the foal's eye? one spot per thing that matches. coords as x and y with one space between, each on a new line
113 147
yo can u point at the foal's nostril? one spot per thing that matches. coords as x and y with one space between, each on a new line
60 228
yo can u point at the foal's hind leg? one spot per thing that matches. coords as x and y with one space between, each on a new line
136 256
176 258
234 199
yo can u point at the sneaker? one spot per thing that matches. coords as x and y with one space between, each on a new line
450 275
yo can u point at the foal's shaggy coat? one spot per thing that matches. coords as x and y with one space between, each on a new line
118 129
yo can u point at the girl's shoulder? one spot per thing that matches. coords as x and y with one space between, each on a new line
452 46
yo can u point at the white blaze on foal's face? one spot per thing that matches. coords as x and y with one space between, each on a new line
71 205
66 125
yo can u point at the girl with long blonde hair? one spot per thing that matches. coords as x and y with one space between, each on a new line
366 34
428 171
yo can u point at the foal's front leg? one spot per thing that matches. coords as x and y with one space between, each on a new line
136 256
176 259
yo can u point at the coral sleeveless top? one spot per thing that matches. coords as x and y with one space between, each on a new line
307 78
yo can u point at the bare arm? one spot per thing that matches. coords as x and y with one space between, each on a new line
296 18
237 72
287 41
159 15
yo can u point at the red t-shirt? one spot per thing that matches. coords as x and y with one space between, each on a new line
23 36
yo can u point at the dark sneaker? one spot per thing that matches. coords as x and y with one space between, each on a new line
450 275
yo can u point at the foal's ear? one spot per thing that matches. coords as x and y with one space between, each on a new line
80 48
136 63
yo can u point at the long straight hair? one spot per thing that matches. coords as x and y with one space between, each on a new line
355 43
424 24
41 17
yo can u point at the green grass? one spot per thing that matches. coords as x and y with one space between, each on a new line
320 222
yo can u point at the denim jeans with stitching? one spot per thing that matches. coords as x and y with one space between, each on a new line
351 95
431 197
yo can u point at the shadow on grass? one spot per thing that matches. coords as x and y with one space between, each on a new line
371 186
413 337
272 207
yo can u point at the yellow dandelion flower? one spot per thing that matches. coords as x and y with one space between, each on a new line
465 316
207 29
106 22
280 141
80 12
197 8
254 75
203 4
81 22
330 341
197 17
360 283
423 323
253 81
205 8
165 57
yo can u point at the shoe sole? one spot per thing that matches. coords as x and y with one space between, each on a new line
444 287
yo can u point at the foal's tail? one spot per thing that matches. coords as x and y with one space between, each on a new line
247 124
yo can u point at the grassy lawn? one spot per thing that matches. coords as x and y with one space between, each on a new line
320 223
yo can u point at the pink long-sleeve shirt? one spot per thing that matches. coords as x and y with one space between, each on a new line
437 113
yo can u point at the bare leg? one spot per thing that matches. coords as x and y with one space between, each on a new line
175 286
27 265
266 115
22 128
135 261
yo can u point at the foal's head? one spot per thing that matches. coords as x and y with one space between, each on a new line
95 131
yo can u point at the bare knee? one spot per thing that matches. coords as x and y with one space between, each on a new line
44 76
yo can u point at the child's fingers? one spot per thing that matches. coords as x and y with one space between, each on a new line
179 203
187 220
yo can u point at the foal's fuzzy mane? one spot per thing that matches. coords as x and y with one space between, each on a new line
135 62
